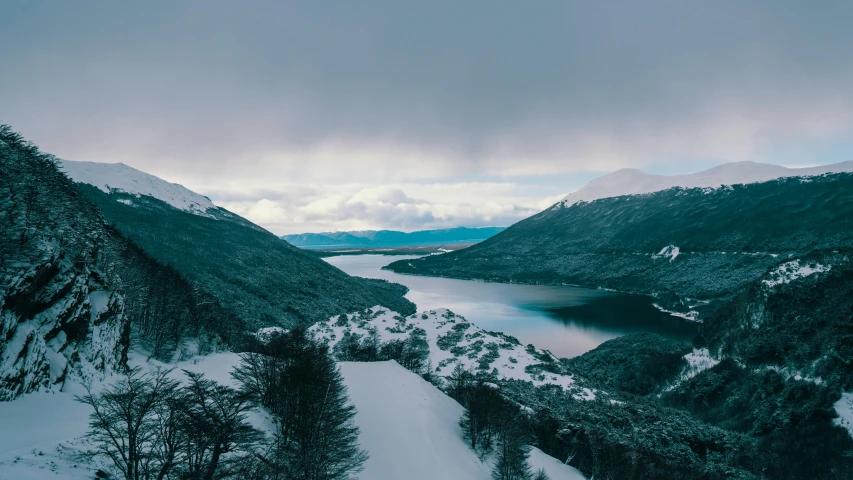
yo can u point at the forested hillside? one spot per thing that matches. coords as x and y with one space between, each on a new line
694 249
260 277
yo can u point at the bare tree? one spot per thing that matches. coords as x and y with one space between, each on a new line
219 438
124 426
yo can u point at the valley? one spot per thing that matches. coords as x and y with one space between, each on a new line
725 353
567 321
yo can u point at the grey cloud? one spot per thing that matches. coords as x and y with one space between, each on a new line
220 76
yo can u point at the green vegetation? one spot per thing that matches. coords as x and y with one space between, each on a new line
726 237
639 364
249 270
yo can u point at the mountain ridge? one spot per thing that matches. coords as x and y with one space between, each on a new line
632 181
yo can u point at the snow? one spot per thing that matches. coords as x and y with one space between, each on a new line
411 429
698 361
669 251
629 181
511 360
844 408
692 315
118 176
45 449
793 270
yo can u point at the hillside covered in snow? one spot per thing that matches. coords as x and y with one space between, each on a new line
109 177
409 428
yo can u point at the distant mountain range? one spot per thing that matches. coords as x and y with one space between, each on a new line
391 238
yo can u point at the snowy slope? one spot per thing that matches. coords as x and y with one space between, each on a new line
42 432
118 176
411 429
630 181
452 340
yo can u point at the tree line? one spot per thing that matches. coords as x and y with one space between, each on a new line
493 426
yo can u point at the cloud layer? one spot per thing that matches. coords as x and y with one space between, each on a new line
236 100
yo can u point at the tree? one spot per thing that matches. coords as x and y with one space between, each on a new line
298 381
511 459
125 427
540 475
213 417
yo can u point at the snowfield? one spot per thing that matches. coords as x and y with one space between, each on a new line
118 176
629 181
409 427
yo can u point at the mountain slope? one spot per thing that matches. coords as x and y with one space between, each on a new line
391 238
629 181
692 248
120 177
262 279
411 429
74 292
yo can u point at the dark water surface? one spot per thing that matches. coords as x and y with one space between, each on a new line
568 321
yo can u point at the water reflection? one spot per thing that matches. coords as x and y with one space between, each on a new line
566 320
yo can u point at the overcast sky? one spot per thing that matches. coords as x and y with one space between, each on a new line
321 115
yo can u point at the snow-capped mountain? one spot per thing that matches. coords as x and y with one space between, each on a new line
120 177
630 181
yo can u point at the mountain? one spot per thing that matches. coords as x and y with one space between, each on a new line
692 248
74 291
391 238
630 181
262 279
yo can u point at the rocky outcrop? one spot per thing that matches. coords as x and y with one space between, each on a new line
58 323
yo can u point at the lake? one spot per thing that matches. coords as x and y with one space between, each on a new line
568 321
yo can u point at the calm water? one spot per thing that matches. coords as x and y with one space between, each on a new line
566 320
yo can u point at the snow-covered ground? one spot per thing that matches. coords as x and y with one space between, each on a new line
452 340
409 428
793 270
118 176
42 432
629 181
844 407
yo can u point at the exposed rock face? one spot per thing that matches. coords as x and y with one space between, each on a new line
58 323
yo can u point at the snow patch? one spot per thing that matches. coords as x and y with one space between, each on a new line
692 315
793 270
119 177
670 251
844 408
698 361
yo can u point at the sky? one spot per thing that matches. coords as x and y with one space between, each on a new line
343 115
